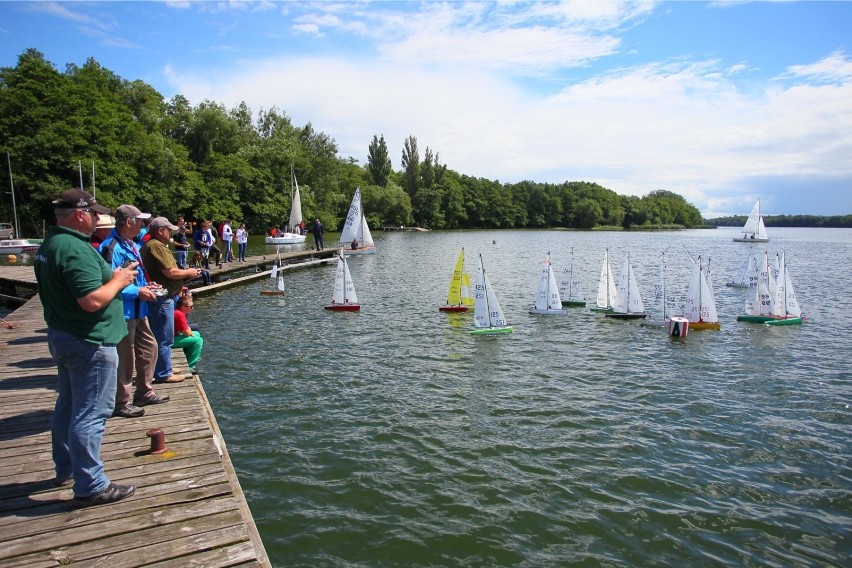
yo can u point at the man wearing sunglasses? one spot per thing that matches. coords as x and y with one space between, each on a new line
79 292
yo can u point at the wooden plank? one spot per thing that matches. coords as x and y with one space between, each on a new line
188 509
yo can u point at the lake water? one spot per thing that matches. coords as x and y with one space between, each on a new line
391 437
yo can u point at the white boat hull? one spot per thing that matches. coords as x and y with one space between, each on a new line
17 246
750 240
286 239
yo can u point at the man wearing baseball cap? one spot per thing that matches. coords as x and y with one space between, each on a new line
137 352
79 293
160 264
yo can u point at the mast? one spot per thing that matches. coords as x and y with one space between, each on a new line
14 206
80 169
94 189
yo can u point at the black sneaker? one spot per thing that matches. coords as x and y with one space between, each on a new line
129 411
153 399
111 494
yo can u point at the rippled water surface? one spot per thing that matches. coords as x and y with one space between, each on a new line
392 437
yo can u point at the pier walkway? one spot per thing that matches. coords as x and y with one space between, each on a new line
188 509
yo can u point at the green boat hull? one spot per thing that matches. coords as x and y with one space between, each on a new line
573 304
492 330
785 321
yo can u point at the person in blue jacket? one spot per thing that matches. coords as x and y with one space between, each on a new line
137 352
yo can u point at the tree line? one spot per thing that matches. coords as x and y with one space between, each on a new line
121 139
808 221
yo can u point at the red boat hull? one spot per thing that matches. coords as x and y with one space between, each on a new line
344 307
454 308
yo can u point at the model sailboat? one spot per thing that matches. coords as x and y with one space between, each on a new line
296 236
344 298
488 316
754 231
746 275
664 300
700 307
606 287
776 307
547 300
758 308
277 275
570 288
355 237
459 298
628 299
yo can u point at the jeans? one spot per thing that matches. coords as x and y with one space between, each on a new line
87 378
242 250
180 258
191 346
161 317
136 352
229 255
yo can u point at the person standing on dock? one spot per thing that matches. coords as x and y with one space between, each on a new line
318 231
79 292
137 352
242 242
162 268
181 245
227 238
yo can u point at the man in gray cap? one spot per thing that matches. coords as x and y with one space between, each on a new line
137 352
84 324
160 264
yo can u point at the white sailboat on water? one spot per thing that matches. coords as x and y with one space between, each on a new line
488 318
344 298
276 274
570 287
628 299
754 231
459 298
781 304
758 308
746 275
664 301
355 237
291 238
700 307
605 299
547 300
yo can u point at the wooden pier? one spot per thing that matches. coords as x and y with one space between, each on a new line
188 509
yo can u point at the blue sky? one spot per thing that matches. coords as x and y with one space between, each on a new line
721 102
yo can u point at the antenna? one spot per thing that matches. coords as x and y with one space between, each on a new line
14 206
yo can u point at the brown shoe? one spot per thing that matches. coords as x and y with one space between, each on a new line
172 379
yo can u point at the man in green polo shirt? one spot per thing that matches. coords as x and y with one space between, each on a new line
85 322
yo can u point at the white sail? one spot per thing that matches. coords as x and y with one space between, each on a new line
281 283
754 229
606 285
547 299
356 228
628 300
746 275
761 230
792 304
753 222
344 289
700 307
296 203
570 287
487 312
761 304
784 301
709 277
664 300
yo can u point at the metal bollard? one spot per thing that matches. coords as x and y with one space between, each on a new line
158 440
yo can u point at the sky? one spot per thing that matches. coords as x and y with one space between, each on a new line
721 102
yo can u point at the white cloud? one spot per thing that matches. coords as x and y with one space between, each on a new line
684 126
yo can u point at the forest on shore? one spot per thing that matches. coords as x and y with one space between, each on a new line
120 138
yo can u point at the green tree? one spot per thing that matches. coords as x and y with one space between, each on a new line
411 165
378 161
